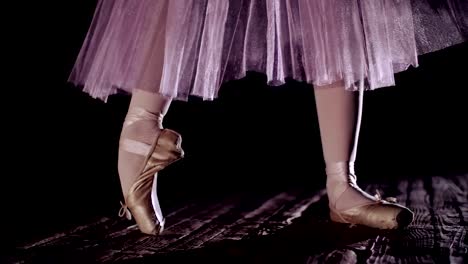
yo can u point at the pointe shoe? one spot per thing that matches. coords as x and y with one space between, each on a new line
376 212
142 200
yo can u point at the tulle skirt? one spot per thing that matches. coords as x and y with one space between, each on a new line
180 48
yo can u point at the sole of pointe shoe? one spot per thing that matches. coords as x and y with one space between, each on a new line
403 219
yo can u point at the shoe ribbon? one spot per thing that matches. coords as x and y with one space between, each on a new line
124 211
378 196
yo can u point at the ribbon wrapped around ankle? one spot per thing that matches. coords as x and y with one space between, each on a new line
138 113
124 211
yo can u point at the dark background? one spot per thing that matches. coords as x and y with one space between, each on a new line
61 145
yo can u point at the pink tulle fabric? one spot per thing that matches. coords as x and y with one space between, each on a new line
181 48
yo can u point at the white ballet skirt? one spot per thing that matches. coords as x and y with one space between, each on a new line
183 48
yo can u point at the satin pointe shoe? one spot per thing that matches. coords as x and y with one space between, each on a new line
375 212
142 200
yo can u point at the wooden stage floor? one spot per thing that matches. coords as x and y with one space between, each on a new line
284 227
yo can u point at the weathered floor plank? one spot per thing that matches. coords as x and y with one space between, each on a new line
290 226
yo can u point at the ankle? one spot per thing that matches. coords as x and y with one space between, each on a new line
337 179
143 131
136 135
337 172
342 189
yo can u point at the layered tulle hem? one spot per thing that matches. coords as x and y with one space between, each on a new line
103 92
183 48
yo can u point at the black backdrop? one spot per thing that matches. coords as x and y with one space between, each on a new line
61 145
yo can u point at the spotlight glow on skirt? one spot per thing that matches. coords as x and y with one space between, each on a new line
190 47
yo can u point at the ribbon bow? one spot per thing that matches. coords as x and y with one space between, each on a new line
388 199
124 211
